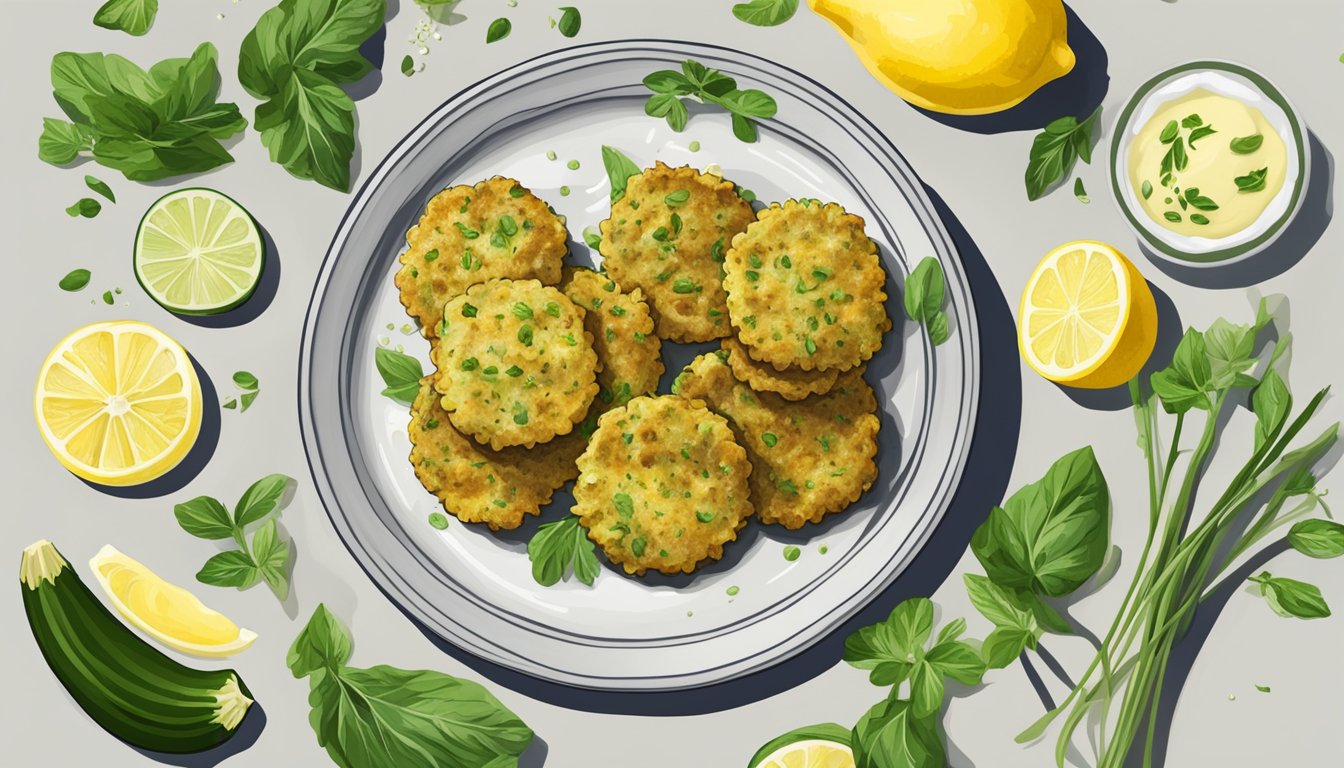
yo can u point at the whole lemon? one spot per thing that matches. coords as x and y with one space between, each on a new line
961 57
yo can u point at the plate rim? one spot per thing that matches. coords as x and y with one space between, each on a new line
872 140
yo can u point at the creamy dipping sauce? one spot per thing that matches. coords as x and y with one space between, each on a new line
1207 165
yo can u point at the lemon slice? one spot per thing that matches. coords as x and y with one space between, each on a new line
166 612
1087 317
198 252
118 403
810 753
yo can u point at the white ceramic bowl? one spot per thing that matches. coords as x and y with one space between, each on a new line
1236 82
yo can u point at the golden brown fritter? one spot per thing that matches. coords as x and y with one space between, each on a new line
806 288
629 355
515 365
809 458
791 384
667 236
478 484
662 485
470 234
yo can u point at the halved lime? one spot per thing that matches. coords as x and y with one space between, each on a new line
198 252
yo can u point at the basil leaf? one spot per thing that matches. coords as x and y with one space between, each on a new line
407 65
619 170
245 380
750 103
821 731
322 644
1003 646
570 21
295 59
1291 598
498 30
385 716
926 689
765 13
401 373
999 605
1185 383
260 499
957 660
229 569
272 558
744 129
1054 150
1052 535
86 207
1271 401
1231 351
669 81
1080 192
246 399
938 329
1252 182
61 142
1199 133
668 106
889 735
560 547
133 17
75 280
1317 538
1245 145
924 291
204 518
99 186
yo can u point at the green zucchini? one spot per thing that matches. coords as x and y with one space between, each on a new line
128 687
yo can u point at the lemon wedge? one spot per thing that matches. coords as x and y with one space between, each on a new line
166 612
1087 317
118 403
810 753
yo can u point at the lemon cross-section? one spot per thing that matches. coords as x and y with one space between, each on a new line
118 403
198 252
1087 317
813 753
164 611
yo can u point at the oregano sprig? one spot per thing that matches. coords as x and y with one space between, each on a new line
266 556
710 86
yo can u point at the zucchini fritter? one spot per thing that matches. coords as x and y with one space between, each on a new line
809 458
475 483
662 485
667 236
629 355
515 365
792 384
470 234
806 288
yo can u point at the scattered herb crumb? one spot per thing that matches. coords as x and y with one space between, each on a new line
86 207
694 146
1080 192
733 590
823 549
564 191
230 404
572 165
75 281
437 520
550 154
407 65
570 21
792 553
107 297
250 386
100 186
1262 688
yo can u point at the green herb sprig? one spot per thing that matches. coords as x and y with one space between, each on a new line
147 124
387 716
265 557
296 59
560 548
1054 151
401 373
924 292
710 86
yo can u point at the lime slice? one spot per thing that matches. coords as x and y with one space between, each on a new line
198 252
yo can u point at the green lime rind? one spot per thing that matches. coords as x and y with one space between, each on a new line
234 301
819 732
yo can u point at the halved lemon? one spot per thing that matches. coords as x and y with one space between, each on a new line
198 252
118 403
810 753
1087 317
166 612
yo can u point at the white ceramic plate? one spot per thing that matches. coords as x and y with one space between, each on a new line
474 588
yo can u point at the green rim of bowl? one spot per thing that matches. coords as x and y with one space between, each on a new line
1237 252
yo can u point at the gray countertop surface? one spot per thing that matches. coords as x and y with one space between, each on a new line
974 167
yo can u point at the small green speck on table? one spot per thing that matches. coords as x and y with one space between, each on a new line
107 298
792 553
572 165
694 146
550 154
1262 688
823 549
564 191
438 520
733 590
